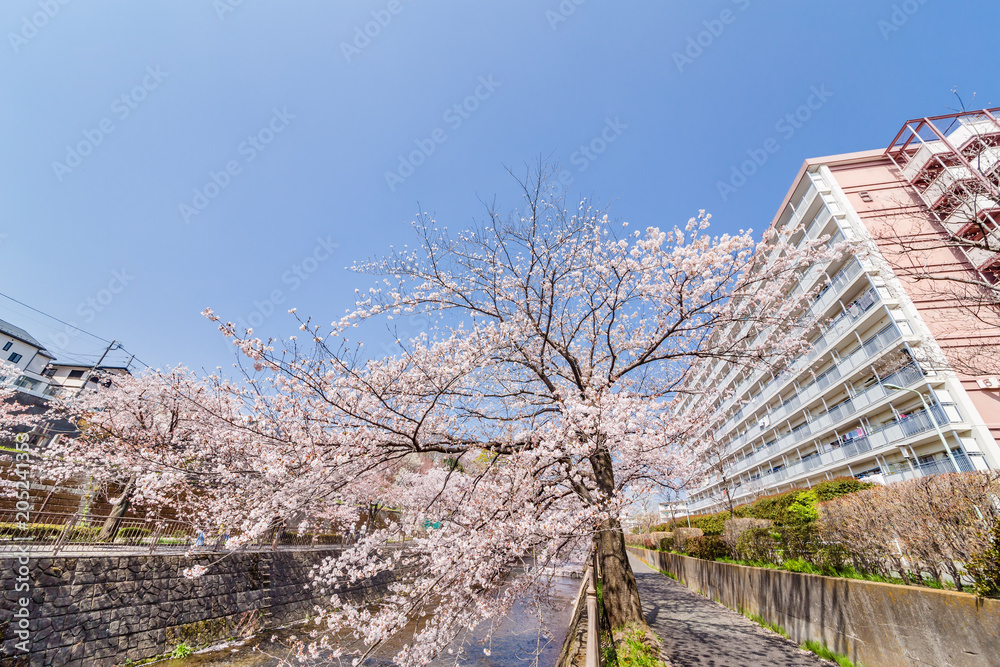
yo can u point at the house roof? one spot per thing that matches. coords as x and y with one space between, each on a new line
20 334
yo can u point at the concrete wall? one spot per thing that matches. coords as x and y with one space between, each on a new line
876 625
101 611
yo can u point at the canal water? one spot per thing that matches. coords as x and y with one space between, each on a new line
517 642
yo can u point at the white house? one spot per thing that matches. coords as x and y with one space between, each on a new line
22 351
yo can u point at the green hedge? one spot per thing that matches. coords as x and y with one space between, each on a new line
790 508
133 532
707 547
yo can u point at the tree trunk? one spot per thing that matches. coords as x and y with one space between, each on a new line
620 592
110 528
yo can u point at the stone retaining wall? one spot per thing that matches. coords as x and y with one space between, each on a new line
875 624
103 610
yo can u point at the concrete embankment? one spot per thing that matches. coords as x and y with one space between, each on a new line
872 623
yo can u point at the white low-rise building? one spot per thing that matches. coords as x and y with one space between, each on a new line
20 350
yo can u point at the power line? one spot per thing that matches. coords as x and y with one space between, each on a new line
55 318
118 346
134 358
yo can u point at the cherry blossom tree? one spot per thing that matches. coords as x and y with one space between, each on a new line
546 393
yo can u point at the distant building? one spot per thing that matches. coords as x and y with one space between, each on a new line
673 510
68 379
837 411
21 350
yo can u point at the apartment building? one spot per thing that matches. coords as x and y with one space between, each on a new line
879 396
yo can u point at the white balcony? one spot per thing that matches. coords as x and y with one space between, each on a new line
868 349
839 413
894 434
840 282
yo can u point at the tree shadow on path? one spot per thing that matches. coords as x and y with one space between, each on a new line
698 631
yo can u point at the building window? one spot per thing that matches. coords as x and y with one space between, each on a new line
75 374
15 357
7 346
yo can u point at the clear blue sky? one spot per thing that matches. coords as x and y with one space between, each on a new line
101 239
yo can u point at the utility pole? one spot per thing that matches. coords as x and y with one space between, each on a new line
85 499
86 376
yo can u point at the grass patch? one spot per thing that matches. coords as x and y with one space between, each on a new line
822 651
181 651
759 620
631 651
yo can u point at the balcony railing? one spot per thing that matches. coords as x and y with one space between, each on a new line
904 471
843 278
903 377
889 434
896 472
870 348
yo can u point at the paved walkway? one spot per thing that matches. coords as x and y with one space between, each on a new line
698 631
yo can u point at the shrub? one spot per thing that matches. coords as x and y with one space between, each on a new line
796 540
666 543
681 535
984 567
802 508
934 523
736 527
831 559
756 544
133 532
706 547
31 530
709 524
839 486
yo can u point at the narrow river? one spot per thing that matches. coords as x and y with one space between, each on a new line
516 643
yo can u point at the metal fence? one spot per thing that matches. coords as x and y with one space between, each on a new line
50 533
